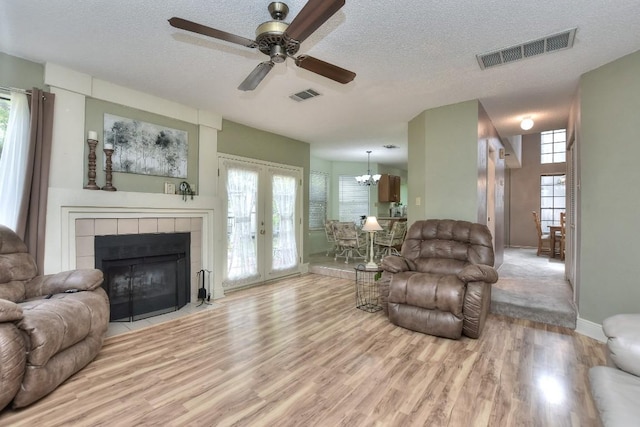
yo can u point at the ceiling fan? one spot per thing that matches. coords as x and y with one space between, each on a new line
279 40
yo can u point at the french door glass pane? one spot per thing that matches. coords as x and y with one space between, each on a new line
242 191
284 250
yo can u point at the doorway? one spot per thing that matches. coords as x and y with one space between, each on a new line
263 202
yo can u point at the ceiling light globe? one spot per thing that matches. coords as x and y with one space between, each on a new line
526 123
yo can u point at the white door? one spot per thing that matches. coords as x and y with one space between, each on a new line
263 203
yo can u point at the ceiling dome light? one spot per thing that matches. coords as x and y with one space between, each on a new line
526 123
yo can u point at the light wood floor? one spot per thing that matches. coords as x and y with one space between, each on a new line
298 353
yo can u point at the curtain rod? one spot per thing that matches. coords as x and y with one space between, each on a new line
13 89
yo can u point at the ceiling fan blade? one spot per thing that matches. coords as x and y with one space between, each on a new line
311 17
253 80
325 69
183 24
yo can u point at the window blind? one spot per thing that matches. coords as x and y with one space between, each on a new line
353 198
318 194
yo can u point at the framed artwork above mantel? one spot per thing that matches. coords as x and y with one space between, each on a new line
146 148
135 180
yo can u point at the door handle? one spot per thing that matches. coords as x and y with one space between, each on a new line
262 232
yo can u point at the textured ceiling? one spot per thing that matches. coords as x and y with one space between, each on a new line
409 56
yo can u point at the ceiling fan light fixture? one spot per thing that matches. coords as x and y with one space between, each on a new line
278 54
526 123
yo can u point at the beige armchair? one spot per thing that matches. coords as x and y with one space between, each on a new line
441 283
50 326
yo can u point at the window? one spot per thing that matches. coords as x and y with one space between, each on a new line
552 199
553 145
353 199
318 190
5 105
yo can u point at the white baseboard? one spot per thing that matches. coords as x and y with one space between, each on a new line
590 329
304 268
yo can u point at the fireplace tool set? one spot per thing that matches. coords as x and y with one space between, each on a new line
204 294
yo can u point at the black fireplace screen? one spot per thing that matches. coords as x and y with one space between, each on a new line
145 274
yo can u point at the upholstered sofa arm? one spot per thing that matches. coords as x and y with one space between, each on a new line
12 357
623 343
82 280
478 273
9 311
397 264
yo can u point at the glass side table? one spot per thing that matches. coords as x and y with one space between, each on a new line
367 290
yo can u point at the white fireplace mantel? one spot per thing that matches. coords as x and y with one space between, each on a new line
66 206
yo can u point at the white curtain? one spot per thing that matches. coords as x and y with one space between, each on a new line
242 190
13 164
285 252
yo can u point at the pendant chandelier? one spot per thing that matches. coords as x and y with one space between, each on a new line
368 179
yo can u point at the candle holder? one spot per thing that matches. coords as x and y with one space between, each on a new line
108 187
91 185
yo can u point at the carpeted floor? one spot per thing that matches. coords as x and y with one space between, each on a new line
534 288
529 287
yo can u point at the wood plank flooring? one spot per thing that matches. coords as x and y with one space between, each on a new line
298 353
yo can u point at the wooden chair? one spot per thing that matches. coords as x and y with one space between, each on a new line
544 239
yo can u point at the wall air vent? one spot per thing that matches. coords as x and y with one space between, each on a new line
551 43
304 95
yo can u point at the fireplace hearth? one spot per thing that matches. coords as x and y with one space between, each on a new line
145 274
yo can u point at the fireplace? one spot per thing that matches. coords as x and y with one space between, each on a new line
144 274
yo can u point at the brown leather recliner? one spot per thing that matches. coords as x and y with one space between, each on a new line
46 334
441 283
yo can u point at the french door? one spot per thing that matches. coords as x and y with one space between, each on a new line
263 202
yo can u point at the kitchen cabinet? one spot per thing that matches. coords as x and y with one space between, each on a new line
389 188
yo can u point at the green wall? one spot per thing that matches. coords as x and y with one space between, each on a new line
416 155
244 141
443 163
20 73
609 175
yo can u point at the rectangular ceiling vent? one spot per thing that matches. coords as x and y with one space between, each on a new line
304 95
552 43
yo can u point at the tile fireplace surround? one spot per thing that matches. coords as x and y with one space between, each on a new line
87 228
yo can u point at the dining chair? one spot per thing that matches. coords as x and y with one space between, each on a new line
563 232
544 239
350 241
387 242
330 234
